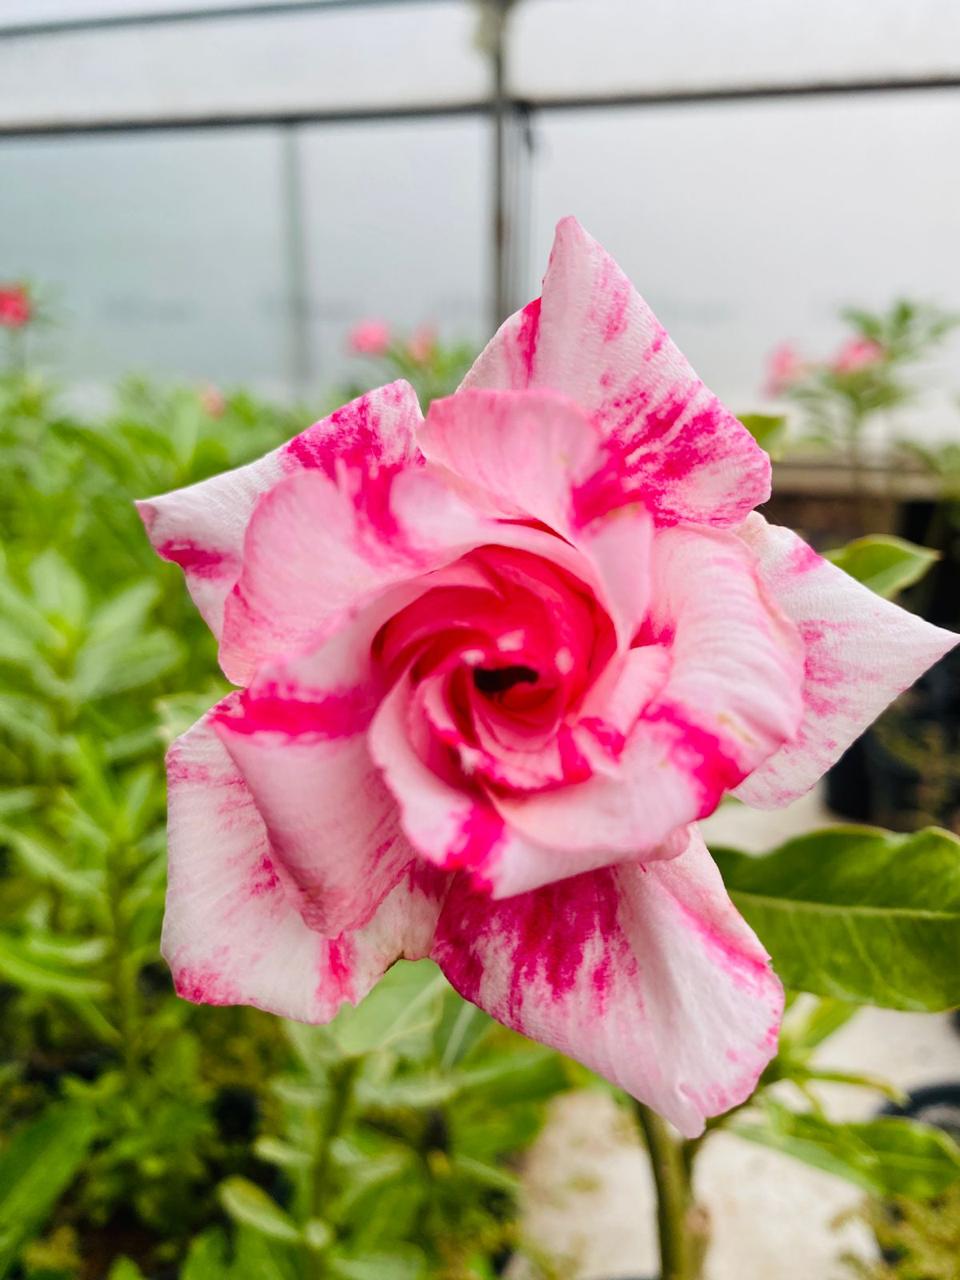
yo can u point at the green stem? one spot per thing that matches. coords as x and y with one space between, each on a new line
674 1198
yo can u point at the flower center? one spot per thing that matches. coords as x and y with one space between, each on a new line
502 679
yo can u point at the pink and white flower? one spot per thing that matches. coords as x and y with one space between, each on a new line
493 668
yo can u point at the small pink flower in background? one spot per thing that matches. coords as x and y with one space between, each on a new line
857 354
213 401
784 368
16 309
369 338
422 344
494 666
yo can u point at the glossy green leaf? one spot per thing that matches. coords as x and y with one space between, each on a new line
857 913
885 564
245 1202
768 429
36 1167
887 1156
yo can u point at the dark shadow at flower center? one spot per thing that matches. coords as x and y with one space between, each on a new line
500 679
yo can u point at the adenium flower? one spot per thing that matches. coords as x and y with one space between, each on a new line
857 354
493 668
784 368
16 309
369 338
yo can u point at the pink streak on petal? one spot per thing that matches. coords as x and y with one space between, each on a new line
527 336
205 562
272 709
205 986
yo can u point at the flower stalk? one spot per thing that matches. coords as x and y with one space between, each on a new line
681 1225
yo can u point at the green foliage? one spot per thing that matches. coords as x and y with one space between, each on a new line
920 1238
888 1156
395 1133
837 397
885 564
857 913
35 1168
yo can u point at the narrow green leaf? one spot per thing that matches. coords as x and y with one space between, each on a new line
20 967
885 564
857 913
36 1167
245 1202
282 1154
887 1156
379 1266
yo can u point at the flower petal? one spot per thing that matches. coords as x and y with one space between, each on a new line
451 825
533 454
732 698
202 527
647 975
594 339
861 651
233 932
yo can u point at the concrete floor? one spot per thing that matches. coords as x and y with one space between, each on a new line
589 1196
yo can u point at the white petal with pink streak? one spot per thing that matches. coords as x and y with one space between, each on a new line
202 527
593 338
233 932
646 974
860 652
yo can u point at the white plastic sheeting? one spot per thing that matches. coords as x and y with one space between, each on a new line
424 53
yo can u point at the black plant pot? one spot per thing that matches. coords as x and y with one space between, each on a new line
936 1104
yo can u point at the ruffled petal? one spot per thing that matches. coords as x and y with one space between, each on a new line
534 454
646 974
450 824
731 699
594 339
233 932
202 527
860 652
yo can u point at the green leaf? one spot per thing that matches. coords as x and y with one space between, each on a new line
768 429
888 1156
19 966
282 1154
406 1002
249 1204
36 1167
857 913
885 564
124 1269
394 1265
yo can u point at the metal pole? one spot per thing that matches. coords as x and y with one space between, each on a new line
300 364
500 300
